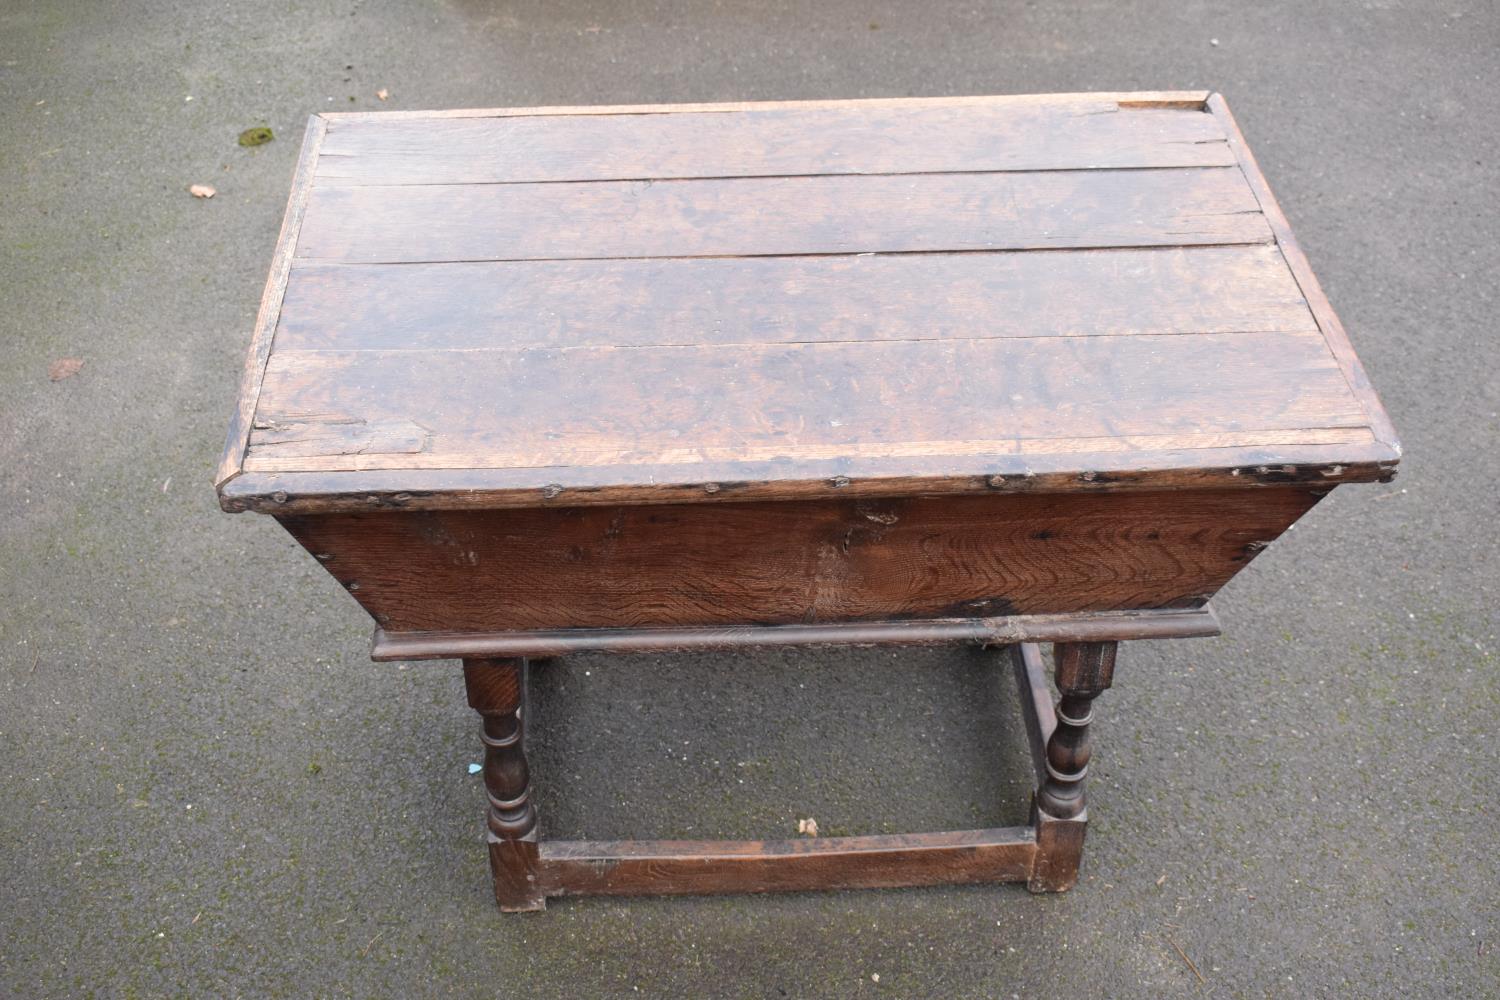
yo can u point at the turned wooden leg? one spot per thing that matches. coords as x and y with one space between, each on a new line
1084 670
497 691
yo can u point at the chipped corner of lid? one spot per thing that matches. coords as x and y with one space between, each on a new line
1183 100
231 500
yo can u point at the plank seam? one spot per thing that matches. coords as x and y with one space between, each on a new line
557 349
344 182
1270 240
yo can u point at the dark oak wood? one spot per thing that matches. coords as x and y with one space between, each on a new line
713 301
1045 854
1084 670
1083 627
804 562
1170 305
335 410
1320 467
1059 851
1000 370
1036 699
693 867
1083 666
497 691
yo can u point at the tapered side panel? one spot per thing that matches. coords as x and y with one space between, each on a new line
797 561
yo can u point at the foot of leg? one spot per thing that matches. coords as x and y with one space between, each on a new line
1059 850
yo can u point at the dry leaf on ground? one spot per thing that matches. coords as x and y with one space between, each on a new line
382 93
64 368
201 191
808 826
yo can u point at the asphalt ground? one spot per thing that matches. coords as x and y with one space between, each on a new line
206 790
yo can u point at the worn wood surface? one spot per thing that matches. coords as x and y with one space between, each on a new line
797 562
888 138
563 307
760 216
1103 102
1341 455
672 405
266 320
1059 851
528 381
472 306
879 861
1322 310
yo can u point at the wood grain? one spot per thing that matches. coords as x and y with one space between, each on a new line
1099 101
1059 851
802 562
1355 459
895 223
663 406
1006 369
782 215
666 867
788 141
704 301
236 439
1328 320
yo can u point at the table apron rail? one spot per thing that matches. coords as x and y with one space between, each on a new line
1079 627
